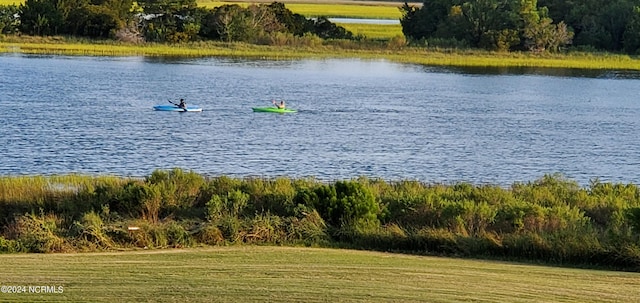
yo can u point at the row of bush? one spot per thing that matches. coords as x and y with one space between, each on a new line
550 220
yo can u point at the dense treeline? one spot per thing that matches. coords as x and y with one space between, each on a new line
504 25
536 25
172 21
549 220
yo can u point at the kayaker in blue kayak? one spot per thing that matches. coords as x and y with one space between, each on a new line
280 106
182 104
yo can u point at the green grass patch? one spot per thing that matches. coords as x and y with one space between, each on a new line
383 10
346 10
372 10
280 274
33 188
374 31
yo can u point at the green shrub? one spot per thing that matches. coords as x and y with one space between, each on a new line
345 201
527 245
209 234
125 199
149 235
151 203
519 216
179 190
90 232
548 191
231 228
9 246
439 241
633 218
40 233
218 186
485 244
177 235
311 228
232 204
402 201
391 237
266 228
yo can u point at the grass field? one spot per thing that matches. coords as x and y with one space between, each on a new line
346 9
374 31
281 274
350 9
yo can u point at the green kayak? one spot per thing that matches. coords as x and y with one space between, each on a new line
273 110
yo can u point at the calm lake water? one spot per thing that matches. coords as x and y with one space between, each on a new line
356 118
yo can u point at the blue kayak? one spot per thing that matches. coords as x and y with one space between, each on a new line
173 108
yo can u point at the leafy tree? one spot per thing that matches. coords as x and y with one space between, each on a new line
345 201
261 19
544 35
232 22
419 23
222 22
208 29
599 24
166 7
539 32
325 29
614 19
101 21
9 20
90 18
41 17
488 20
295 23
631 36
169 20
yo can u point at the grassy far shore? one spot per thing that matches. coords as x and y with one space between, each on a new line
332 9
281 274
313 8
393 50
415 55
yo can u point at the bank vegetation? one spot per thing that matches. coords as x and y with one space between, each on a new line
551 220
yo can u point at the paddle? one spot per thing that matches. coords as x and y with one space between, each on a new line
184 108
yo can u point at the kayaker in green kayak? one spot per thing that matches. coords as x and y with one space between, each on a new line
280 106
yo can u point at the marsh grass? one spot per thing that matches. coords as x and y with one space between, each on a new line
346 10
367 10
331 49
281 274
21 189
374 31
382 10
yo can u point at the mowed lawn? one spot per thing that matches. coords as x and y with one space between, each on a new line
285 274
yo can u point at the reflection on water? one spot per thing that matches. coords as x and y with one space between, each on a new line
555 72
356 117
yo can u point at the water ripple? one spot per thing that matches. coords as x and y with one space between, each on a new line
356 117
